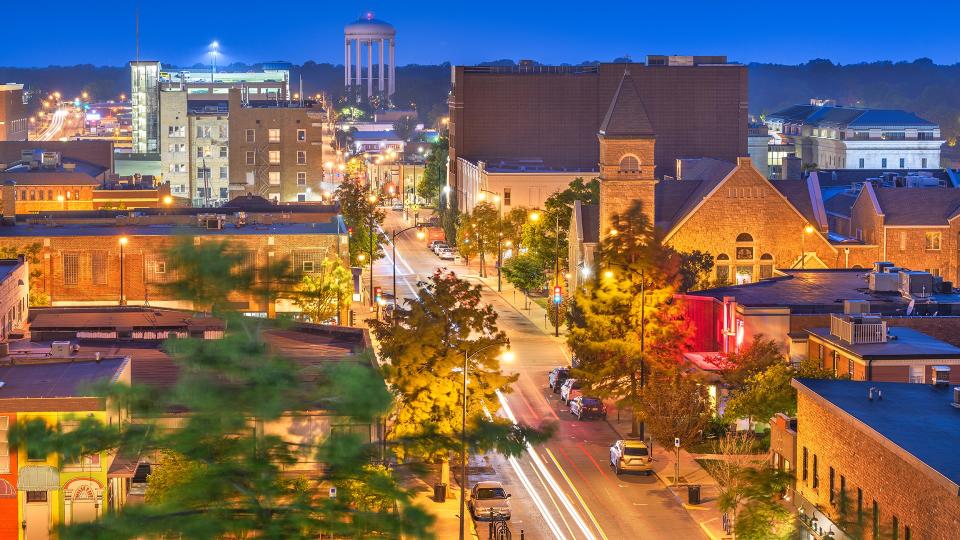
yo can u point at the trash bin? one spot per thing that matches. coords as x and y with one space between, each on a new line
440 492
693 494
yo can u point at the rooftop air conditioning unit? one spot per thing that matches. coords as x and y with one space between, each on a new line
880 265
60 349
914 283
854 307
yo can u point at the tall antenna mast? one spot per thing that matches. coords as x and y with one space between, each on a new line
136 30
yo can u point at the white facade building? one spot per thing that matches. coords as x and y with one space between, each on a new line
369 34
852 138
145 106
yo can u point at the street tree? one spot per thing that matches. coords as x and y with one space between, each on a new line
735 457
627 323
761 516
768 392
695 271
524 273
359 208
324 294
675 405
404 126
434 171
752 359
237 485
425 350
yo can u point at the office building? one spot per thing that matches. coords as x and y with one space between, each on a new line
14 123
836 137
549 116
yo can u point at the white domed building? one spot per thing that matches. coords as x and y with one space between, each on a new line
369 33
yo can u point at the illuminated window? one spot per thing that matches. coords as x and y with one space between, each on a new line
274 156
273 135
274 178
932 241
723 268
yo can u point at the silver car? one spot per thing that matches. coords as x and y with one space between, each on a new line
488 500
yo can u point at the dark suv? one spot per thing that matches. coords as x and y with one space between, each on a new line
587 407
556 377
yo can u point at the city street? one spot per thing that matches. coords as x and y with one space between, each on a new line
565 488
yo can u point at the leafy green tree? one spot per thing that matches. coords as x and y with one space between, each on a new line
229 389
675 405
171 473
695 269
768 392
627 322
323 295
761 515
357 206
752 359
435 171
31 253
426 348
524 273
481 228
403 127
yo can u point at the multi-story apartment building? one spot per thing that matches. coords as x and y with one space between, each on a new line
835 137
194 141
194 118
13 113
276 149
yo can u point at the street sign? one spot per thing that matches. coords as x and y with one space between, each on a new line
676 442
333 493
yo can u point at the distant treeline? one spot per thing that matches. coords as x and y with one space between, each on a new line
922 87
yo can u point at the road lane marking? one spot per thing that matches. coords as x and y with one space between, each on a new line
595 464
576 492
554 501
546 474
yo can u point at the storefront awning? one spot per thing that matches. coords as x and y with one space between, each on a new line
38 478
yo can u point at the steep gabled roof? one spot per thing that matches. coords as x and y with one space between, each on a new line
918 206
675 199
627 116
806 197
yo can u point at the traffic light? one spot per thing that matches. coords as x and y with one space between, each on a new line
557 294
377 294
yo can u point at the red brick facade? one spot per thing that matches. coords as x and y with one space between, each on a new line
906 492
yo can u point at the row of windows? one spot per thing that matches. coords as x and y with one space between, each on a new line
903 163
207 151
840 498
48 195
273 135
273 157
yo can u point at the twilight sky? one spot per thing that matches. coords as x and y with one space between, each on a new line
177 32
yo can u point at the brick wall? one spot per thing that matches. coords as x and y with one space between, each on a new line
144 264
776 228
900 488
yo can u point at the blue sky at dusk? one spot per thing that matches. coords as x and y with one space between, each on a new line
429 31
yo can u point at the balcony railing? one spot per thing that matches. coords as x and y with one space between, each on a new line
856 331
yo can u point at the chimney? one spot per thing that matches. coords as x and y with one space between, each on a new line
8 194
792 167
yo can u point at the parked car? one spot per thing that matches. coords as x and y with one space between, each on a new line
397 206
629 455
488 500
556 377
433 244
570 390
447 254
440 246
584 408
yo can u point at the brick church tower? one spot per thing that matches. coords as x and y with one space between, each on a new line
627 143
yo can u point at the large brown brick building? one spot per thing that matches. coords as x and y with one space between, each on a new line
550 115
877 460
276 149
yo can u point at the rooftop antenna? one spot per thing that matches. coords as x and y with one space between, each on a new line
301 90
136 30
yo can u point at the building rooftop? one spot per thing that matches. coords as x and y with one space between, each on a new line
57 379
917 206
44 177
917 418
229 229
902 343
8 266
810 289
117 318
853 117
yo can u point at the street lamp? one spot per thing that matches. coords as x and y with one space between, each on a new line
808 229
608 274
393 241
123 242
535 217
506 356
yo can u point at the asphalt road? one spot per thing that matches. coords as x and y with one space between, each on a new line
564 488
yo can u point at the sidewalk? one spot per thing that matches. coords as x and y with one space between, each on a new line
447 513
533 311
707 514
